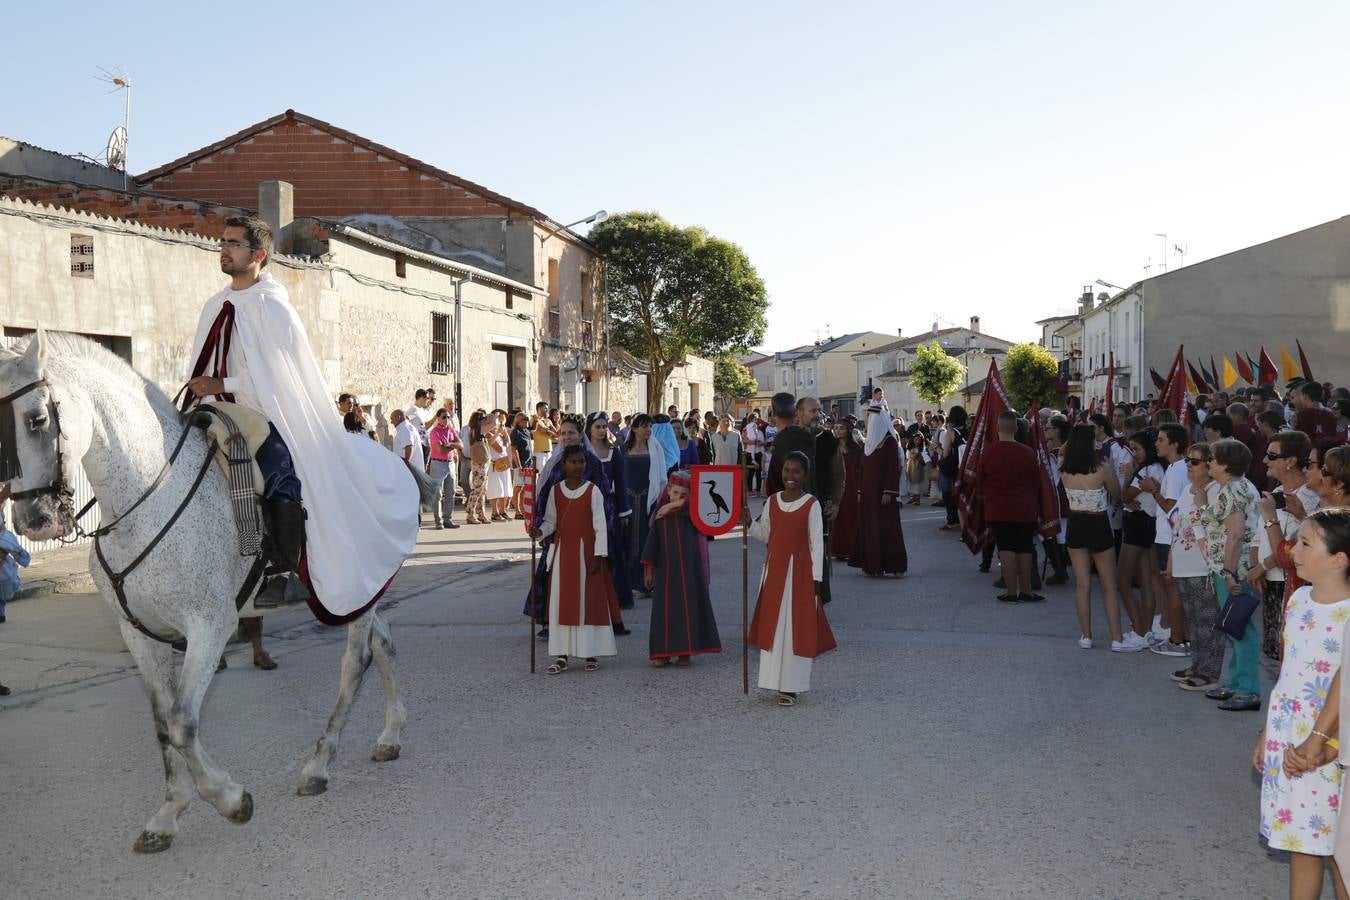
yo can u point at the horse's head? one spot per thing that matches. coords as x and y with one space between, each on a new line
42 434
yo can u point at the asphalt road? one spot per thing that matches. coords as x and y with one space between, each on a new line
951 747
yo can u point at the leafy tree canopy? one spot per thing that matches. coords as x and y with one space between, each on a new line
934 374
674 291
1030 375
732 381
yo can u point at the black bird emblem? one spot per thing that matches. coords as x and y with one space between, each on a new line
719 502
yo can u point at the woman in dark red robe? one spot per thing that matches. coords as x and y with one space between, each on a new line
844 528
879 548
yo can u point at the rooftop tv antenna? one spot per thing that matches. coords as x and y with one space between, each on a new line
116 154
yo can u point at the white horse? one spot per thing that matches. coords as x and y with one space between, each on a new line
84 405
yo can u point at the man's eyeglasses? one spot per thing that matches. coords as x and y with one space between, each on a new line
238 245
1192 461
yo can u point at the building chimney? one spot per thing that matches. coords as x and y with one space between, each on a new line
975 324
1085 302
1102 298
276 207
899 332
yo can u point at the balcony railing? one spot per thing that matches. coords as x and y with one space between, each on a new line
554 324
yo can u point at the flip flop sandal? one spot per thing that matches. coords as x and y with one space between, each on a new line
592 665
660 663
785 699
558 665
682 662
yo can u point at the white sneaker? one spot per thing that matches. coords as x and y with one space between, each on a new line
1136 641
1125 647
1161 633
1085 643
1152 639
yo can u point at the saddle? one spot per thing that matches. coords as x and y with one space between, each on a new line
269 517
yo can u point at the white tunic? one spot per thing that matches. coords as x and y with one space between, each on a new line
780 669
361 500
585 641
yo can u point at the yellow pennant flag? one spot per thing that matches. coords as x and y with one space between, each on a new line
1288 367
1190 385
1230 375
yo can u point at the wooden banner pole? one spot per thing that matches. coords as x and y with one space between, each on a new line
745 589
534 603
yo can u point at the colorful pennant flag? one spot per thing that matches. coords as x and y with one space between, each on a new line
1194 380
1213 373
1256 368
1303 360
1288 368
1266 369
1230 375
1158 380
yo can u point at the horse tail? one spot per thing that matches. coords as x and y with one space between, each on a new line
425 486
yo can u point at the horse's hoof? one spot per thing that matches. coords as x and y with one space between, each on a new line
312 787
153 842
386 752
245 811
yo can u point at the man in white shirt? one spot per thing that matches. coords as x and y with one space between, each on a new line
406 443
419 414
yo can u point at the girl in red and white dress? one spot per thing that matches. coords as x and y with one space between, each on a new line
580 589
789 625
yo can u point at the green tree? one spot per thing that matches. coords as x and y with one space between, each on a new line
675 291
732 381
934 374
1030 375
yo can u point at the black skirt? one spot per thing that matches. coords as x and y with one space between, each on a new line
1091 532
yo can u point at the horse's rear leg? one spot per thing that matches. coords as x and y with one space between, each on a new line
355 661
155 661
395 716
199 667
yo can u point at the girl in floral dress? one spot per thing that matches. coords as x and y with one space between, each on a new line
1300 781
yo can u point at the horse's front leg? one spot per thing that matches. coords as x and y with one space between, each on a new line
389 744
205 644
355 661
155 661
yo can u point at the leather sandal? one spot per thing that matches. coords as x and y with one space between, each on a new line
557 666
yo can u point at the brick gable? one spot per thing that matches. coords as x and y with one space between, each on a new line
335 173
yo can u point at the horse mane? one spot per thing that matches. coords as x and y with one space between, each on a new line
65 345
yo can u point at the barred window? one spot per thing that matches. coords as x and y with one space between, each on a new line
440 343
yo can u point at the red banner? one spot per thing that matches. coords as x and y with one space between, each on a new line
527 497
1173 394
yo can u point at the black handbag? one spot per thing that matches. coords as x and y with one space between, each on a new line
1237 613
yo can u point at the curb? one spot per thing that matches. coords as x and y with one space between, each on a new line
57 584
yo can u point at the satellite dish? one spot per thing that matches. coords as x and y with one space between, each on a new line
116 153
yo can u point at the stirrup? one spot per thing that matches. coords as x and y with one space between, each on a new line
281 590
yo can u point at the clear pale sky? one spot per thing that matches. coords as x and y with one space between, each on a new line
880 162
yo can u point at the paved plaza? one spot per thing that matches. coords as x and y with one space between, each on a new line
952 747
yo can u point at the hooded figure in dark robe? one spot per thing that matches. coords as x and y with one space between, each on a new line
879 547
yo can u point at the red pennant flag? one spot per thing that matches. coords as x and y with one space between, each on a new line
1200 383
1110 385
1048 508
1173 394
1244 368
1214 375
1268 374
1303 361
975 531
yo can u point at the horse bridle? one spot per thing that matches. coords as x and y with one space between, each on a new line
9 451
65 500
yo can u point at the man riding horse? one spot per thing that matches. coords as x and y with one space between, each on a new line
252 349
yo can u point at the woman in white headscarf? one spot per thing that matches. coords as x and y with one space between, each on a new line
879 548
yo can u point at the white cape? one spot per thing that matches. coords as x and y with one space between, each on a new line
362 502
